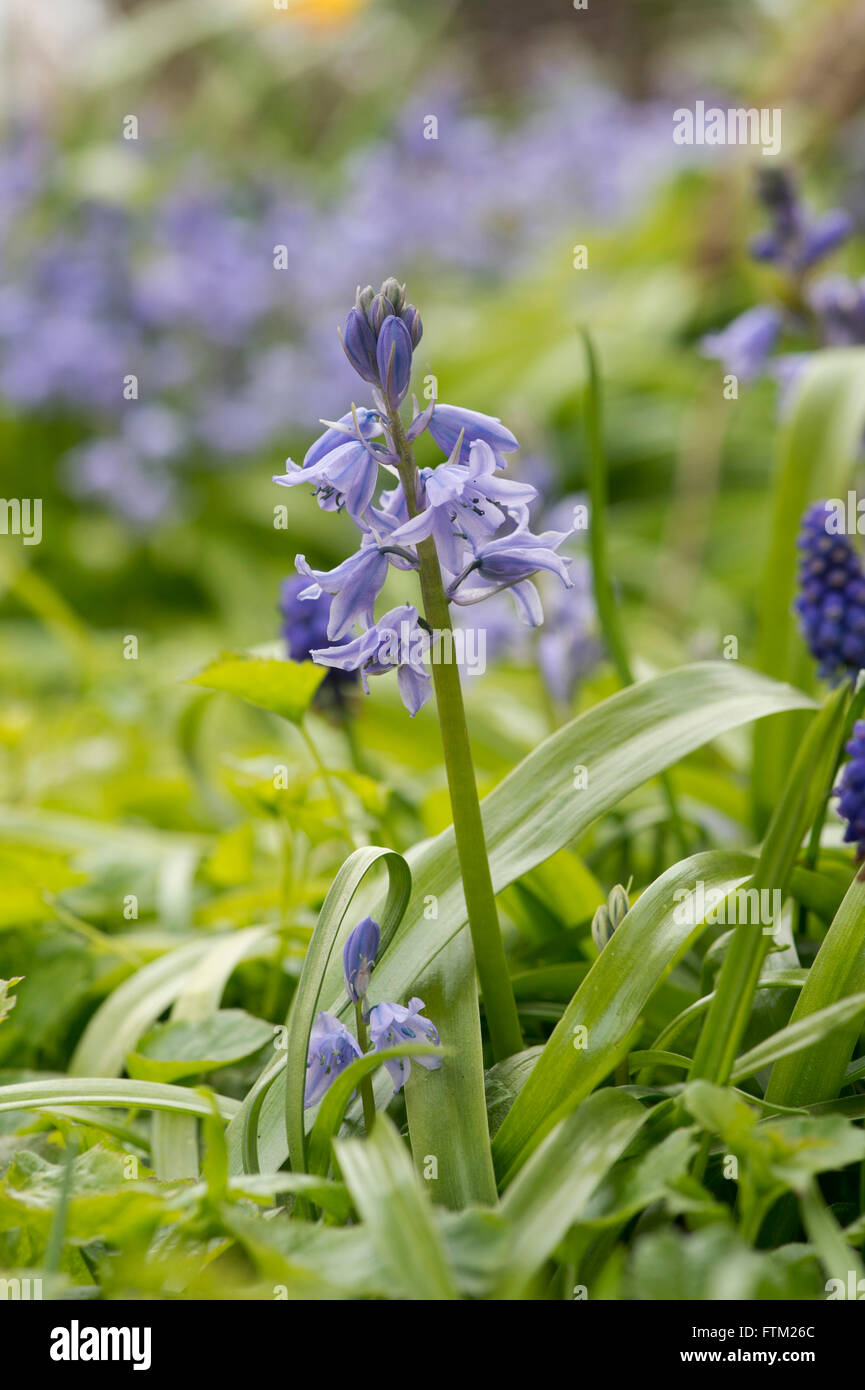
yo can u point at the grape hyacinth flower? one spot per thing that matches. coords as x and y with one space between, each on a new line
831 602
851 790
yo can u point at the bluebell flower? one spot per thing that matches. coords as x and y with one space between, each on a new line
797 239
392 1024
449 421
851 789
394 355
332 1048
465 502
304 627
340 431
354 585
831 601
395 641
839 304
358 957
518 555
344 477
744 345
358 341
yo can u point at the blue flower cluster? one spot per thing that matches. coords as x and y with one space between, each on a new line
831 601
832 309
304 628
182 290
477 518
851 789
332 1047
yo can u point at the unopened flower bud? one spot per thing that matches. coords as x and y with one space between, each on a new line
379 310
411 319
395 292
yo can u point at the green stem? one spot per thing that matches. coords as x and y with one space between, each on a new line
330 788
495 981
367 1095
857 704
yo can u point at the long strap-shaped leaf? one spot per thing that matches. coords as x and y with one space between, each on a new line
540 807
54 1094
328 931
551 1191
387 1193
837 972
593 1032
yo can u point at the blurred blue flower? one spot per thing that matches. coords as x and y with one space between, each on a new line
332 1048
304 627
851 789
796 240
392 1024
358 957
745 344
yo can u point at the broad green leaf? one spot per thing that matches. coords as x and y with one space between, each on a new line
387 1192
818 447
551 1191
179 1049
447 1113
539 808
130 1010
593 1032
283 687
837 971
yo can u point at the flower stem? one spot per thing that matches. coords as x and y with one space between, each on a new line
495 981
367 1095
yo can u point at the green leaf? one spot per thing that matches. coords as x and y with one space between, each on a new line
333 1107
178 1049
804 1033
837 971
537 809
134 1006
654 935
807 787
818 448
132 1095
387 1192
334 921
551 1192
282 687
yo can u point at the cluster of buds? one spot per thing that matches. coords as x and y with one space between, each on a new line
379 337
610 915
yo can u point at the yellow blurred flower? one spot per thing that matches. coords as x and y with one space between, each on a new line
322 14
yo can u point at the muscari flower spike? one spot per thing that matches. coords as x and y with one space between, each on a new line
358 957
851 790
831 602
